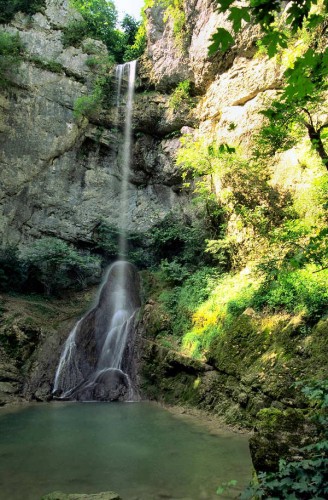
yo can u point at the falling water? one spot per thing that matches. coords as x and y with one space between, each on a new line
97 362
130 69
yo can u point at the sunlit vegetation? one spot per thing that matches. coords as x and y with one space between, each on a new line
100 21
91 104
181 96
279 234
174 11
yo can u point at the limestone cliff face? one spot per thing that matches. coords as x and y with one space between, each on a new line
59 175
231 87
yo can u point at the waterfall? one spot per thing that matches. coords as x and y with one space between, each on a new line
130 69
98 362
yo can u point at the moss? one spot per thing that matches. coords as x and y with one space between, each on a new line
316 347
273 419
239 346
52 66
167 376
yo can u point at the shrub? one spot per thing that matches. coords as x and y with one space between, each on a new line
12 271
302 290
181 96
175 11
74 33
10 48
56 265
90 105
182 301
8 8
179 239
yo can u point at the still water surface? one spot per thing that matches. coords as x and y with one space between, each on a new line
136 449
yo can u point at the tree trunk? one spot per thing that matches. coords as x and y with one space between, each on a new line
317 143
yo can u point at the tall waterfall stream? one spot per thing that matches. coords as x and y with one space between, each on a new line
97 362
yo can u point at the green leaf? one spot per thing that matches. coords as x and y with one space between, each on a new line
314 20
224 5
273 40
221 40
220 490
237 16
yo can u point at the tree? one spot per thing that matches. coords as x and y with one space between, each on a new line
301 101
56 265
9 8
130 27
265 14
101 17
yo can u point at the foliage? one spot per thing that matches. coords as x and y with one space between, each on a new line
130 27
56 265
301 106
10 49
99 22
173 272
90 105
52 66
137 48
265 13
302 290
175 11
184 295
224 487
12 270
230 184
8 8
100 18
74 33
307 476
106 238
301 100
181 240
181 96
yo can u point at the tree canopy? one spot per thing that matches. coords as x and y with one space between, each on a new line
266 13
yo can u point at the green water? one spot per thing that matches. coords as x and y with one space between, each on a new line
136 449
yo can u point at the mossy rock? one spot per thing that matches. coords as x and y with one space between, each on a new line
238 346
57 495
280 433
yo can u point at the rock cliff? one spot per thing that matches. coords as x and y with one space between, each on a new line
60 175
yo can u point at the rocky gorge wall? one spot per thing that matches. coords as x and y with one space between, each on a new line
59 174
